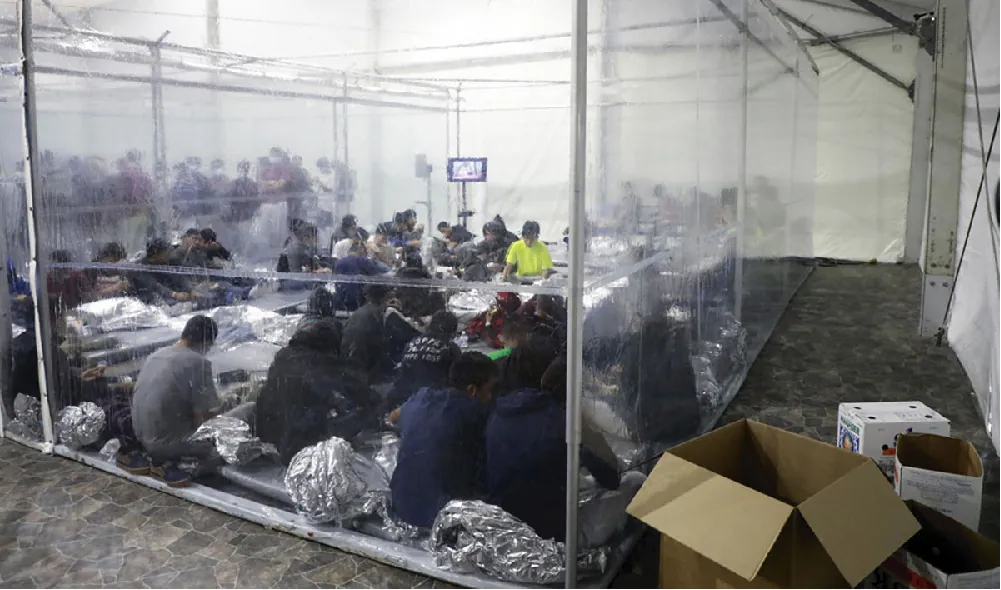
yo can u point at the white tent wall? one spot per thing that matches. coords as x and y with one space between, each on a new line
973 324
863 150
514 103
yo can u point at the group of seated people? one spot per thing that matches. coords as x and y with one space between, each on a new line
470 427
396 244
197 248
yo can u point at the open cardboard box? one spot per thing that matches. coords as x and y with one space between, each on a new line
752 506
942 472
944 554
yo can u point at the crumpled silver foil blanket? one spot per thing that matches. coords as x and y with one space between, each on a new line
110 449
27 420
331 482
328 482
470 302
380 447
233 440
119 313
470 536
79 426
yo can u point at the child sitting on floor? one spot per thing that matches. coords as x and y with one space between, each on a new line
441 441
526 465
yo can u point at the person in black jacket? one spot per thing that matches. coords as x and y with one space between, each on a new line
152 288
312 393
364 339
426 359
68 386
215 252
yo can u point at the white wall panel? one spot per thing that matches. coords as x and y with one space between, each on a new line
973 325
863 151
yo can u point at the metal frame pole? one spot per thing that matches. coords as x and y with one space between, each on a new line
344 115
32 182
738 280
6 334
575 303
461 205
160 170
448 152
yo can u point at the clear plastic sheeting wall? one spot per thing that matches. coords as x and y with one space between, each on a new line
22 415
265 291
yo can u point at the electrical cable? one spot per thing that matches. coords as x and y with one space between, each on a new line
940 334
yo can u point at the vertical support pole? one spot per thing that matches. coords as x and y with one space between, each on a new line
32 192
213 41
462 205
609 34
336 137
738 275
944 172
700 282
6 335
377 196
448 154
578 237
917 194
344 118
160 169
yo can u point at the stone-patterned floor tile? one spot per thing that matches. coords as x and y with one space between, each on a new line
259 573
389 577
340 572
190 543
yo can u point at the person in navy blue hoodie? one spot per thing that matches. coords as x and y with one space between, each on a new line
441 441
427 359
526 449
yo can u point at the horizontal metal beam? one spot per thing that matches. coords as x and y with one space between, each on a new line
237 89
878 11
908 88
236 57
774 11
742 28
881 32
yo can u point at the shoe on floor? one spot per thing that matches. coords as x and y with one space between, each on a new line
135 463
170 474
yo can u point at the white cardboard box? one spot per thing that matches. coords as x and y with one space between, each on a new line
943 473
944 554
871 428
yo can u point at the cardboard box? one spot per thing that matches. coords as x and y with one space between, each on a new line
871 429
942 472
944 554
752 506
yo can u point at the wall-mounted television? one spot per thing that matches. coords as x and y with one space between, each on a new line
467 170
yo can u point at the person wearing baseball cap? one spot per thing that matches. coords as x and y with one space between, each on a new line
528 257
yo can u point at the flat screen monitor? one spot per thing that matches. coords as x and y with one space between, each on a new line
467 169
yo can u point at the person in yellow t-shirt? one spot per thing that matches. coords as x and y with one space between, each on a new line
528 257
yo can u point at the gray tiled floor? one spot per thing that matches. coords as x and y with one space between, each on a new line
849 335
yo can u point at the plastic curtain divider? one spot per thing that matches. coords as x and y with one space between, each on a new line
578 179
32 182
738 274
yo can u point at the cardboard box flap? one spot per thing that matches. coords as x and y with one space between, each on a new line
859 521
964 550
939 453
716 517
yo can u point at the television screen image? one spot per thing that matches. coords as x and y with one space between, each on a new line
467 169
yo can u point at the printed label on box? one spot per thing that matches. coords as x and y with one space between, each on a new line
848 436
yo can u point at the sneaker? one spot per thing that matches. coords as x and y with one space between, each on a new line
169 473
135 463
